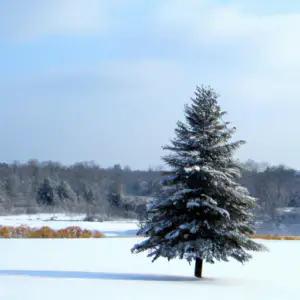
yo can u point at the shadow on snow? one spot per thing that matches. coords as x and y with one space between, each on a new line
97 275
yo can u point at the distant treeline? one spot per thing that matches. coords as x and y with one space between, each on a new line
121 192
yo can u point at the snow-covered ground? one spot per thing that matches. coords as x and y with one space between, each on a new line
59 221
105 269
83 269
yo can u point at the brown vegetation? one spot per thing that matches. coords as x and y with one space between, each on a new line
25 231
276 237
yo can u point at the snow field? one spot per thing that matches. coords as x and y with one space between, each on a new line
105 269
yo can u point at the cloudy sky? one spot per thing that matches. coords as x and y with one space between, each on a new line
84 80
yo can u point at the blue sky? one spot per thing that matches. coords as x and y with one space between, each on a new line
84 80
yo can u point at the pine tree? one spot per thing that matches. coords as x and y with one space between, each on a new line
88 194
203 213
46 194
114 194
65 192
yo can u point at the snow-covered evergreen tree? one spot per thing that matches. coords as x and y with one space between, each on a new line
203 213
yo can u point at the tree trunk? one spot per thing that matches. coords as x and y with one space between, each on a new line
198 267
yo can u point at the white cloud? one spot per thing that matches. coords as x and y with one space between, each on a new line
271 39
27 20
260 52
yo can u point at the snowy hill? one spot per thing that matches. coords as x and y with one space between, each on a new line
106 269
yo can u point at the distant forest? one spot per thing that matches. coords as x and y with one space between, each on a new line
104 193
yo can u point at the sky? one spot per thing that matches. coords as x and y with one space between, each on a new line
106 81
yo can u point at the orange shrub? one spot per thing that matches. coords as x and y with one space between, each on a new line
88 234
74 232
44 232
5 232
24 231
97 234
21 231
